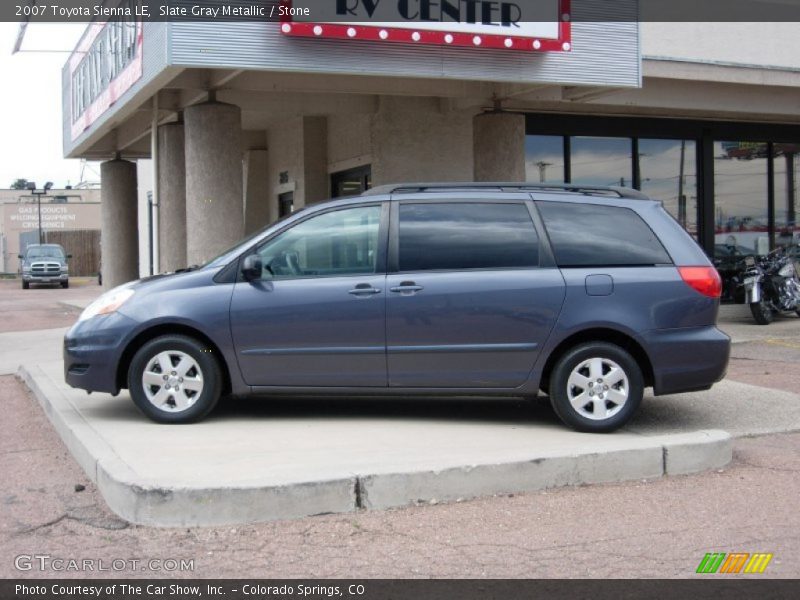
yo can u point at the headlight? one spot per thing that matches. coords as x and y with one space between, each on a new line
64 268
107 303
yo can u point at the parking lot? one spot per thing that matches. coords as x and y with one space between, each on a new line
665 523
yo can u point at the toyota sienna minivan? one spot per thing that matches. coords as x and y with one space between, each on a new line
590 295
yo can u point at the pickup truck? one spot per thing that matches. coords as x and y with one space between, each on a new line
44 263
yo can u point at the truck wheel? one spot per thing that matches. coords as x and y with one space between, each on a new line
175 379
26 285
65 284
762 312
596 387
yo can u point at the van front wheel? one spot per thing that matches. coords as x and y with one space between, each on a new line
175 379
596 387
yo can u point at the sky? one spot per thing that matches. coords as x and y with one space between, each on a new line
30 106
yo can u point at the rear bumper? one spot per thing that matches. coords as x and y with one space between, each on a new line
687 359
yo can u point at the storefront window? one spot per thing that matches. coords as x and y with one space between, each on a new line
787 173
667 169
601 161
740 189
351 182
544 159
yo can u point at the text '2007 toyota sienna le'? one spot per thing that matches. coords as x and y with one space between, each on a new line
590 294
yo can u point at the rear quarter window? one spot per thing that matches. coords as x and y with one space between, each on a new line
584 235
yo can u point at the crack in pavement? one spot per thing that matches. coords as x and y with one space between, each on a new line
90 515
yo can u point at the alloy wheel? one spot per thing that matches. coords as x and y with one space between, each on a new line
598 388
172 381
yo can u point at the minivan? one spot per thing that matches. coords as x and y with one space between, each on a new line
587 294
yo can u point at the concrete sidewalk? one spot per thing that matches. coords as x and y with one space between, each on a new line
264 459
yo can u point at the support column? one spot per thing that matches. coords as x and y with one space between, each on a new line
214 203
171 198
119 238
499 147
256 192
315 160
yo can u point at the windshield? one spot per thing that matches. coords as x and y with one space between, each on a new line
45 252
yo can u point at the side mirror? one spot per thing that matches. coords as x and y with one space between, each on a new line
20 256
69 255
252 267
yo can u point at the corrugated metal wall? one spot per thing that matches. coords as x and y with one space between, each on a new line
83 245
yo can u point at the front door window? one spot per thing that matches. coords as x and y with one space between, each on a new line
337 243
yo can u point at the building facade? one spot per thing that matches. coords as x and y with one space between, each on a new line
70 217
248 120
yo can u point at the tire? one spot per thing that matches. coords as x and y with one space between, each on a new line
187 361
65 284
762 313
26 285
573 398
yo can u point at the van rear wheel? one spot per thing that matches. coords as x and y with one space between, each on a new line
596 387
175 379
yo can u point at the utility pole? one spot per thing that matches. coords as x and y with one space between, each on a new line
543 170
681 196
34 192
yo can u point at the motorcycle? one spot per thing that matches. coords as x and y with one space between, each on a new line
771 285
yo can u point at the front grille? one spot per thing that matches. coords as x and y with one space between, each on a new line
43 269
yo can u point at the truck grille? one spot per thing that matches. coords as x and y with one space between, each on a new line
45 269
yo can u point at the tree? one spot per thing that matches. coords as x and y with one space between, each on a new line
19 184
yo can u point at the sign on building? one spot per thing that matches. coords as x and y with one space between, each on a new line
106 63
513 25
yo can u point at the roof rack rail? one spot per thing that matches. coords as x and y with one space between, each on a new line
410 188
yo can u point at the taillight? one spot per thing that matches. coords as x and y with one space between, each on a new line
705 280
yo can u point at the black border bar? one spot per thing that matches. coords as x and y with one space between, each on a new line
706 587
76 11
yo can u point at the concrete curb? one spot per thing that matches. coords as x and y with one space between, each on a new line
146 502
143 502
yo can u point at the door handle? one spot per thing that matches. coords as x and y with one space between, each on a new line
364 289
407 288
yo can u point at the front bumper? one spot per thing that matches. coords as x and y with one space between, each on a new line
687 359
92 351
51 278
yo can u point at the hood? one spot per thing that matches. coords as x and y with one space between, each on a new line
181 278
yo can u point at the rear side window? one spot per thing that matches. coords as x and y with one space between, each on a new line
585 235
457 236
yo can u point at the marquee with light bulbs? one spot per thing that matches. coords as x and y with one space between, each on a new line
467 23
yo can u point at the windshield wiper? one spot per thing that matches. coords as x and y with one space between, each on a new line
187 269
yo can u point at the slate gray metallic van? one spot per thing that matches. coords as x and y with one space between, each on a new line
588 294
